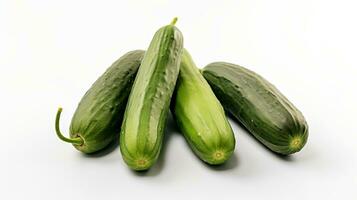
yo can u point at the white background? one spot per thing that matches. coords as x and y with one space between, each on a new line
52 51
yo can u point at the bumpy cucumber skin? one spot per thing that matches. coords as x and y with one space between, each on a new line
200 116
259 106
146 113
99 114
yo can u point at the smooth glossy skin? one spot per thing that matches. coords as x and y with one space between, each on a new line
98 117
145 116
259 106
200 116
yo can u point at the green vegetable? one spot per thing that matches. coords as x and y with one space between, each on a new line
259 106
200 116
98 117
145 116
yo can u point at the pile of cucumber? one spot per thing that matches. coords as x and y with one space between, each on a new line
132 99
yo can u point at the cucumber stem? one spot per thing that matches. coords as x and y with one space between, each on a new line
173 22
76 141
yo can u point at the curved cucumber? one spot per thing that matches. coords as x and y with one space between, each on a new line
145 116
200 116
98 117
259 106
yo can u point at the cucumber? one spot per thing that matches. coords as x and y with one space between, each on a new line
98 117
259 106
146 113
200 116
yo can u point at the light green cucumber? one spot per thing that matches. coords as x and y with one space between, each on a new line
200 116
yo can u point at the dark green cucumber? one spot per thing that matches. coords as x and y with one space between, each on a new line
98 117
259 106
200 116
145 115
